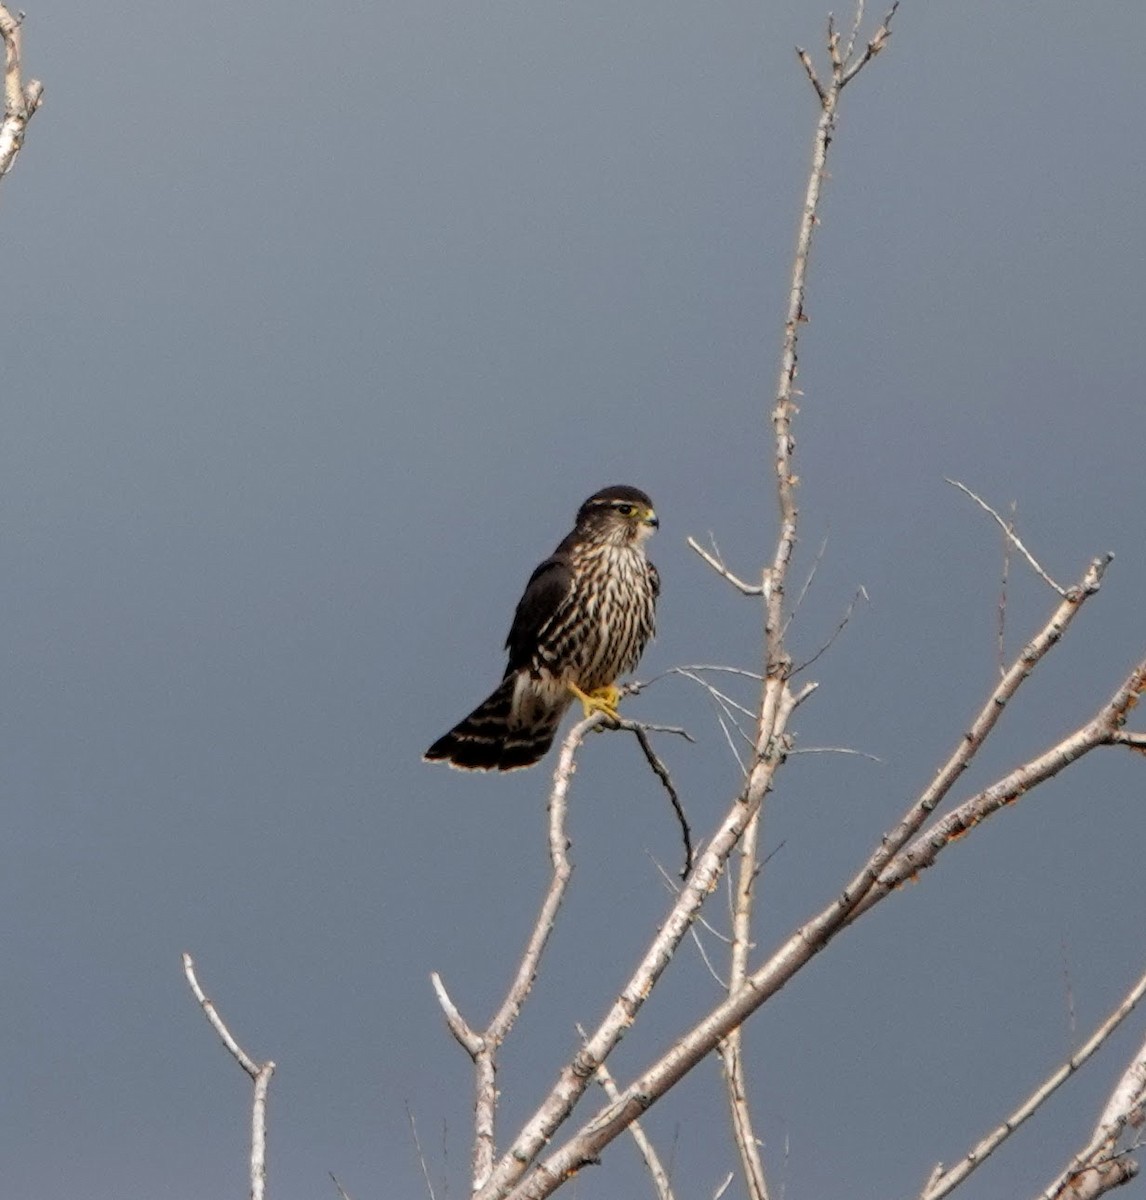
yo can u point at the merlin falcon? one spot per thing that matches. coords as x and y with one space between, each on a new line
586 616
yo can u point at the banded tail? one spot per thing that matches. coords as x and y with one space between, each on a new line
490 740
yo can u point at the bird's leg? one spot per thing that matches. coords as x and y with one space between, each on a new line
603 700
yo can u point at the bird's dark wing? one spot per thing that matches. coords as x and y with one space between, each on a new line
655 580
548 588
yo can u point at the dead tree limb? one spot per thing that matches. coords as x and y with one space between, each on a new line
21 100
260 1074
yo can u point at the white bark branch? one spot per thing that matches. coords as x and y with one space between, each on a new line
1008 529
483 1047
883 872
260 1074
1098 1166
20 100
1102 730
715 561
777 703
520 1173
944 1182
648 1151
575 1075
981 727
732 1047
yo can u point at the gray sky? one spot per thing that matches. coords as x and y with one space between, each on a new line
319 325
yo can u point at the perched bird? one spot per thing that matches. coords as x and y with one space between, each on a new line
586 616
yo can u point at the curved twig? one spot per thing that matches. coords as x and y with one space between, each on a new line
483 1047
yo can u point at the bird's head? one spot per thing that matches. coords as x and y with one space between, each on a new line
621 514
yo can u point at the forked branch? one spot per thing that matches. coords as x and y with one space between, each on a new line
943 1182
260 1074
885 869
483 1047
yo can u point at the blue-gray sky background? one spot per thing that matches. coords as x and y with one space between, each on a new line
319 324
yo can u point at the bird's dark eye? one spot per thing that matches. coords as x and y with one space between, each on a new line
626 510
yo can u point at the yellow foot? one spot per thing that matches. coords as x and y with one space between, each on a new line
602 700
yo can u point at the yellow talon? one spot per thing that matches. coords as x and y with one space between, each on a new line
603 700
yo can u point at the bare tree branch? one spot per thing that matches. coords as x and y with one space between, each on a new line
1098 1166
648 1151
483 1047
723 1186
575 1075
341 1190
875 45
260 1074
861 594
1101 730
533 1166
731 1049
640 732
943 1182
717 564
807 583
777 704
1009 532
972 741
20 100
1002 610
886 868
835 750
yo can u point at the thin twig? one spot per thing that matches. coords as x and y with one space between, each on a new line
875 45
341 1190
470 1041
639 731
835 750
806 62
674 887
648 1151
724 1186
1002 629
717 564
861 594
1010 534
260 1074
418 1148
849 50
807 583
755 675
709 964
1068 988
724 699
943 1182
731 743
724 704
